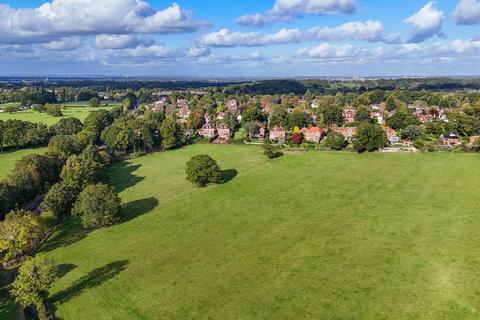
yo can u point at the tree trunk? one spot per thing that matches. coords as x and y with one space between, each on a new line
42 311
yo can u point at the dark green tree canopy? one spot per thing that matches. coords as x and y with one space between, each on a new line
97 206
202 170
369 137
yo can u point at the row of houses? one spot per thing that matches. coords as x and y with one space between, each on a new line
316 134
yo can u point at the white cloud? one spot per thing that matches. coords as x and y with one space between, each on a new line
371 31
64 44
256 20
287 10
60 18
467 12
425 23
122 41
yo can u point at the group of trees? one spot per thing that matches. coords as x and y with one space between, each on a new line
15 134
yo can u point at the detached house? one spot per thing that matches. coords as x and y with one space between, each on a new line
220 116
277 133
232 105
224 131
159 106
313 134
208 131
184 112
449 140
347 132
391 135
259 132
314 104
349 114
377 116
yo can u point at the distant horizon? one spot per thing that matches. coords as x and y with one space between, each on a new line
245 39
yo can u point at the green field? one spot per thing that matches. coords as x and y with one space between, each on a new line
306 236
8 159
32 116
8 104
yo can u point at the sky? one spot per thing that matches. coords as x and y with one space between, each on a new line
247 38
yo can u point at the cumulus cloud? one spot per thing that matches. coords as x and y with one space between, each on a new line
287 10
256 20
61 18
122 41
467 12
371 31
426 23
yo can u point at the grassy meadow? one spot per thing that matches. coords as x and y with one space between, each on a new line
305 236
80 112
8 159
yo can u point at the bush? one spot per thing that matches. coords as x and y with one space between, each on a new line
98 206
335 141
202 169
54 110
270 151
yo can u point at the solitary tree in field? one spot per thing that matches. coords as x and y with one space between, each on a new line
35 277
202 169
98 206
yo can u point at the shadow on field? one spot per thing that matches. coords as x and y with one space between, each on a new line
93 279
122 176
63 269
228 175
137 208
67 234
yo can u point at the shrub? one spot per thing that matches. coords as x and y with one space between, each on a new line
270 151
53 110
202 169
98 206
335 141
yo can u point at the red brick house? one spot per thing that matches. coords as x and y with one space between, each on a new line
232 105
159 106
184 112
391 135
449 140
224 131
259 132
349 114
313 134
208 131
347 132
277 133
220 116
265 105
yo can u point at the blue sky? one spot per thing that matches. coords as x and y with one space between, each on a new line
267 38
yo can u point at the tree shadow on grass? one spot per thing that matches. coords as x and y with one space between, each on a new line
137 208
67 234
122 176
228 175
63 269
93 279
